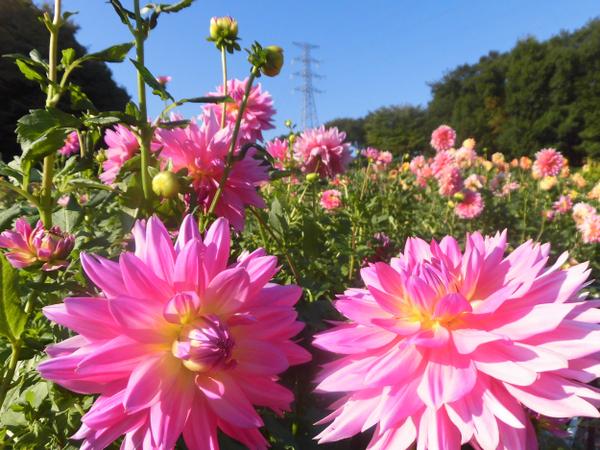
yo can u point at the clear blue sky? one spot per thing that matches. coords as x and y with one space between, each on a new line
374 52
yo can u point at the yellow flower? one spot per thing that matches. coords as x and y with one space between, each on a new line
548 183
469 143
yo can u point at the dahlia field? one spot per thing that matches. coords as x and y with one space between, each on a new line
184 282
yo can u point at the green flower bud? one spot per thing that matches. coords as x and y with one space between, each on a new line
312 177
224 33
100 157
288 123
274 60
459 196
165 184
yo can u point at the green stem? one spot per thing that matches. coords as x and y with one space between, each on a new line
145 134
364 186
45 204
224 68
20 191
231 153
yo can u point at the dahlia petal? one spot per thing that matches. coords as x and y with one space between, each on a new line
141 282
169 414
137 317
117 356
228 401
349 339
217 242
467 340
266 392
159 249
200 432
103 273
260 270
259 357
394 366
348 376
227 291
88 316
437 432
359 306
451 305
251 438
188 231
189 272
401 402
399 326
389 302
145 383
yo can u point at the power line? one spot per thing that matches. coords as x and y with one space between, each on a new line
307 74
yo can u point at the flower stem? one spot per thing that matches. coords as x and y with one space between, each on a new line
145 136
224 68
45 204
231 153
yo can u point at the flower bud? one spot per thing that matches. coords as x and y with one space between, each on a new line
292 138
312 177
459 196
165 184
224 33
274 61
288 123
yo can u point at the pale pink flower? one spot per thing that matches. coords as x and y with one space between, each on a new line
202 150
548 162
474 182
447 347
370 153
385 158
465 157
63 200
581 211
122 145
279 150
29 246
509 187
258 115
164 79
563 205
442 161
71 146
177 342
450 181
589 228
443 138
471 206
323 150
331 199
421 169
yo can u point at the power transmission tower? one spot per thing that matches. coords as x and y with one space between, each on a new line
307 74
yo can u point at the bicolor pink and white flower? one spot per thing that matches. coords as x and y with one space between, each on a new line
446 347
548 162
71 146
29 246
563 205
323 151
202 150
443 138
442 161
589 228
178 341
471 206
331 199
258 114
450 181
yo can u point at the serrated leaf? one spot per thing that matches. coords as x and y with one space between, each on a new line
12 316
68 56
29 72
114 54
79 99
150 80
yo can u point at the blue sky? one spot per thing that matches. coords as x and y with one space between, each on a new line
374 53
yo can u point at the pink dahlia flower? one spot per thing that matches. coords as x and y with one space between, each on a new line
442 161
450 181
465 157
178 341
323 150
370 153
563 205
445 347
279 150
590 229
258 115
384 159
121 144
471 206
548 162
71 146
164 79
202 150
443 138
331 199
474 182
28 246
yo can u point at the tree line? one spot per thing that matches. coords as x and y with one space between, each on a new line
539 94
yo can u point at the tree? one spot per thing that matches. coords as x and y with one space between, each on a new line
21 32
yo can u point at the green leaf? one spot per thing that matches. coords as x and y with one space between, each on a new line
90 184
174 124
69 217
207 99
29 72
114 54
157 88
79 99
8 214
12 316
68 56
44 131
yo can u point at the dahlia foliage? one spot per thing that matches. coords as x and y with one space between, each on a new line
445 347
177 341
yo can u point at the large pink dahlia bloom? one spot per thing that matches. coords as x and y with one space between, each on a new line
443 138
202 150
258 115
548 162
323 150
178 341
446 347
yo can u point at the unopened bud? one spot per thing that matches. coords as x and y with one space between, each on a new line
165 184
312 177
274 61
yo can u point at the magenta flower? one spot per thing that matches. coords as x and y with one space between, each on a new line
29 246
202 150
370 153
71 146
563 205
258 115
548 162
443 138
121 144
164 79
446 347
177 341
279 150
471 206
385 158
442 161
331 199
450 181
323 151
